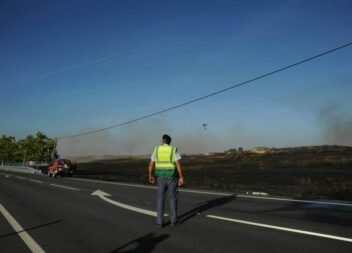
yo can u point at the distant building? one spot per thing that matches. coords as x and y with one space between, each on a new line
260 150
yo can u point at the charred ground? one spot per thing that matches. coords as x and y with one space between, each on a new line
306 172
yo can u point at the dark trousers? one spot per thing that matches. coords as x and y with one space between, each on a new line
167 184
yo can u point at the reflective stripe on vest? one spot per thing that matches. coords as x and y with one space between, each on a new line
164 160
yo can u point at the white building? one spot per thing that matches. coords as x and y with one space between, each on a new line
260 150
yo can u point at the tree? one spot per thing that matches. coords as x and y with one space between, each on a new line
240 150
37 148
232 150
8 149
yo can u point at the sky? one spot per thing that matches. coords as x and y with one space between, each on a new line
68 67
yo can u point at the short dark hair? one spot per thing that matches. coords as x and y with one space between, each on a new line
166 139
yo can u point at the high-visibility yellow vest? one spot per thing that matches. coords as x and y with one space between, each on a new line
164 161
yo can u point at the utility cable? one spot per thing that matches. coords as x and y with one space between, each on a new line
210 94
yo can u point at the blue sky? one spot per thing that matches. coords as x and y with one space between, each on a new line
72 66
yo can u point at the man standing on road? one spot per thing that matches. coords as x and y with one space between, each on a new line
166 165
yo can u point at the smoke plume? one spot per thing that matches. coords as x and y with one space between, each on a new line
140 138
337 125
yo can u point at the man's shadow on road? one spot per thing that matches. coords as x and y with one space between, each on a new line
145 244
148 242
205 207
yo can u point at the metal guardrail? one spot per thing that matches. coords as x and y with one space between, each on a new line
21 169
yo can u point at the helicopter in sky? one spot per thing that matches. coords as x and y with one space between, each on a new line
205 126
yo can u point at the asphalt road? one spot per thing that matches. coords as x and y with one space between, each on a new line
41 214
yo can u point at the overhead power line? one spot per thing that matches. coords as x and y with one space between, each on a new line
210 94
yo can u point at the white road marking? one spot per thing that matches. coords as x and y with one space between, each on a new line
206 192
151 187
28 240
281 228
65 187
297 200
41 182
8 175
113 183
23 178
219 193
104 195
37 181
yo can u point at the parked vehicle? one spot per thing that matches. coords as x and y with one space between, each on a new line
61 167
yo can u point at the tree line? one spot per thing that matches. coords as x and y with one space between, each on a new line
38 147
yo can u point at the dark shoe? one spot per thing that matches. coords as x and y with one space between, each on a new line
175 224
159 226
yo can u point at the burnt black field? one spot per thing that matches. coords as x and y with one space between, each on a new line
323 172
